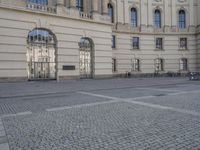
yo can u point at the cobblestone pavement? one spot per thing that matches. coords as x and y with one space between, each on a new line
116 114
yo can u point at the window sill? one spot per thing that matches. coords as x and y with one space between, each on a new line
135 49
159 49
183 49
134 71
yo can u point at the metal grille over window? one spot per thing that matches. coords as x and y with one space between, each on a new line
184 64
135 42
114 65
113 41
183 43
135 65
159 65
159 43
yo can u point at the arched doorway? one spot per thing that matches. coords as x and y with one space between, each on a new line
86 64
41 56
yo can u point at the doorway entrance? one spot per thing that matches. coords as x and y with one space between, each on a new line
41 55
86 62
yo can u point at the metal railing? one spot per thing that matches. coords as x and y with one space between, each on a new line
42 8
85 15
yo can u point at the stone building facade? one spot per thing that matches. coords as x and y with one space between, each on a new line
72 39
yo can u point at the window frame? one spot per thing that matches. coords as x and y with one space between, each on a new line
183 64
136 65
181 19
113 41
157 43
157 19
114 65
186 43
159 64
111 12
137 47
134 17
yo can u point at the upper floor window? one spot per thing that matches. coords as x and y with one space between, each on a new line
157 18
182 19
40 2
113 41
110 12
159 64
135 42
133 17
79 5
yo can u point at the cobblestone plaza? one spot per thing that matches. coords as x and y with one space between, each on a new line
114 114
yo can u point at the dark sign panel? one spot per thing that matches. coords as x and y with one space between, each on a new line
68 67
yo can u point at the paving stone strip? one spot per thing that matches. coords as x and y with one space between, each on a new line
131 100
3 139
82 105
17 114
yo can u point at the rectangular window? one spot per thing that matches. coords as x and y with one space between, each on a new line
183 43
113 41
114 65
184 64
135 42
159 43
79 5
159 65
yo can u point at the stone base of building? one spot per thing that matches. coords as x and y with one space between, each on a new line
116 75
13 79
149 75
61 78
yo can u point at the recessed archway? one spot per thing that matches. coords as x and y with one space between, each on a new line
41 54
86 62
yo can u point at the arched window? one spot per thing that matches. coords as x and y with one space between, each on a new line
79 5
182 19
40 2
110 12
157 18
133 17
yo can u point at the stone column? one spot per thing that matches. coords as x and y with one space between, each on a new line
105 7
95 6
60 6
60 3
74 12
150 13
73 4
